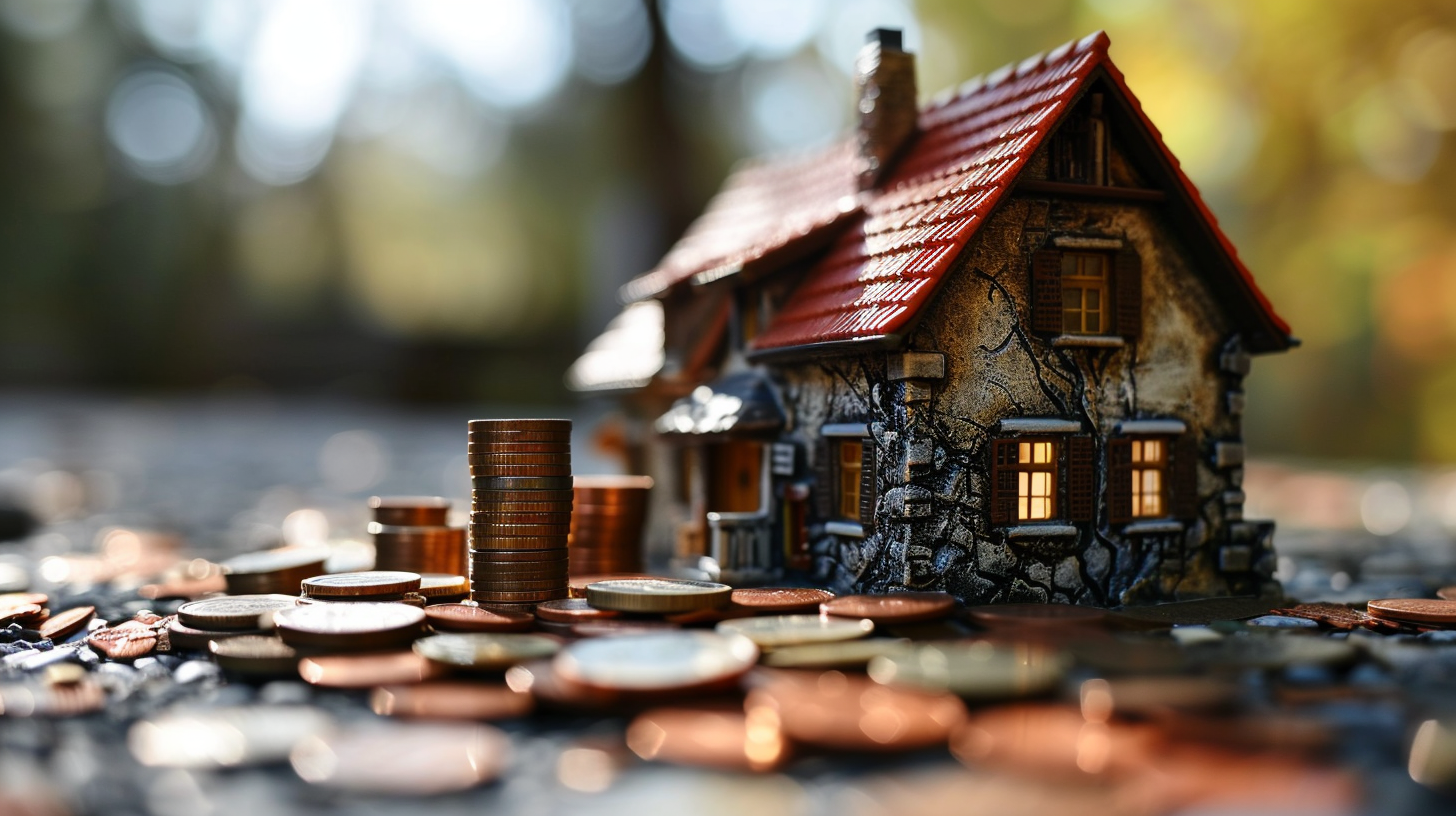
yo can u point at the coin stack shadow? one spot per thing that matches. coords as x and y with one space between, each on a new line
520 471
607 516
411 535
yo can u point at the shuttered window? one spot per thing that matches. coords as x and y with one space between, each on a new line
824 479
850 462
869 487
1152 477
1093 293
1183 478
1081 479
1024 478
1119 481
1127 279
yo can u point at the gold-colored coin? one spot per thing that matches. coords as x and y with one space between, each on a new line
657 595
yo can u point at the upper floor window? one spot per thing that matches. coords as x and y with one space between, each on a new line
1084 293
1079 147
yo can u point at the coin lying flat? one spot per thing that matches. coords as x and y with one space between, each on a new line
843 654
413 760
439 587
182 636
349 584
980 671
849 712
572 610
410 511
1053 742
349 626
451 701
1425 611
781 600
657 595
708 738
223 737
901 607
657 661
231 612
61 626
255 656
127 640
462 618
483 652
366 670
789 630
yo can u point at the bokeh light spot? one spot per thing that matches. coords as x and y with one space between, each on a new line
161 127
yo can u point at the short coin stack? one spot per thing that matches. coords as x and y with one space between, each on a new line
410 534
606 524
520 509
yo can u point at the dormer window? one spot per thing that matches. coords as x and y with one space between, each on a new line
1079 148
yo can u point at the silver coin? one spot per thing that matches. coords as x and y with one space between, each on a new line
772 631
485 652
657 661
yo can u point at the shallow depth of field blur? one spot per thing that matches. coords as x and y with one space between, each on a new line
435 200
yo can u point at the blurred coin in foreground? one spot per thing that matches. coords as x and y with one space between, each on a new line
572 610
349 626
403 760
255 656
657 595
849 712
483 652
657 661
726 739
451 701
1035 614
366 670
850 654
979 671
789 630
463 618
888 610
223 737
232 611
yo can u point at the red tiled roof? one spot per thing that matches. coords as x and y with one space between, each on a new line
970 150
765 207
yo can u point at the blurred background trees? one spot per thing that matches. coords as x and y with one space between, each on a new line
435 200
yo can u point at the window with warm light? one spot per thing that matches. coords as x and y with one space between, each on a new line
1149 465
851 464
1084 293
1036 480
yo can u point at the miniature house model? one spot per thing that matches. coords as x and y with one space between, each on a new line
994 345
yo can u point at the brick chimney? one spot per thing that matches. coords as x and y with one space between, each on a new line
885 81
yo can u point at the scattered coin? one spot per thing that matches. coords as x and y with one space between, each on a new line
1140 696
439 587
366 670
979 671
223 738
1033 614
349 626
850 654
451 701
781 600
127 640
255 656
725 739
572 610
790 630
20 613
355 584
657 661
849 712
406 760
657 595
1342 617
482 652
183 636
1432 759
231 612
888 610
1424 611
1053 742
462 618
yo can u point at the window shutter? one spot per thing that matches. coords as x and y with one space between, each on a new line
824 479
869 490
1081 478
1119 481
1046 291
1003 481
1183 479
1128 279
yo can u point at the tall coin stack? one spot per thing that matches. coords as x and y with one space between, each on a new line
410 534
520 510
606 524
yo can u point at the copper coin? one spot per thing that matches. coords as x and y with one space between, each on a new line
61 626
416 760
540 679
550 566
518 597
708 617
451 701
544 542
374 582
1035 614
581 580
520 484
283 560
478 457
439 584
478 471
902 607
19 612
621 626
350 626
726 739
492 530
850 712
781 600
572 610
182 636
508 447
520 518
516 583
462 618
611 482
10 599
1415 610
128 640
255 656
439 535
1055 742
510 425
188 588
367 670
1447 593
505 557
410 511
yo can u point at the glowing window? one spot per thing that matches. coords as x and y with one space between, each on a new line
1149 465
1036 480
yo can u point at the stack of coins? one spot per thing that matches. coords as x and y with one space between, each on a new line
606 524
520 509
280 571
410 535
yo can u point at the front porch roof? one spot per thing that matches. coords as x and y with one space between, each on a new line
743 403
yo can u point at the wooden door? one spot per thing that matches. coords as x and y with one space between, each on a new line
734 472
